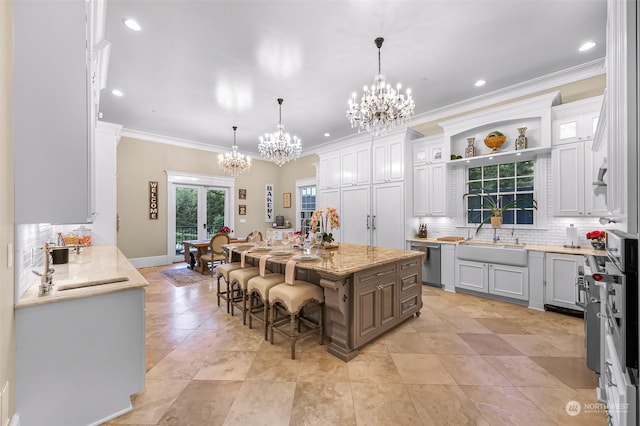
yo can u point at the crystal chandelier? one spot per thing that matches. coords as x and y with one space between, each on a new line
280 147
233 162
381 107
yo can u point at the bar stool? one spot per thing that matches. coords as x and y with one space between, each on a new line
258 298
292 298
238 280
222 271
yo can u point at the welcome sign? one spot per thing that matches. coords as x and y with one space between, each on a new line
268 203
153 200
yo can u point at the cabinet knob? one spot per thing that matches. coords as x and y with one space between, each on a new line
580 213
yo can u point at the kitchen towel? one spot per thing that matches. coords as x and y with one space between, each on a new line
263 264
243 254
290 272
230 250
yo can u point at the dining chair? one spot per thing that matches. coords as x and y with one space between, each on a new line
217 253
254 236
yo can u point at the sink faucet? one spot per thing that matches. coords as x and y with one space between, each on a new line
516 239
496 237
46 280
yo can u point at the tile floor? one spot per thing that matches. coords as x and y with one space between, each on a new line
465 360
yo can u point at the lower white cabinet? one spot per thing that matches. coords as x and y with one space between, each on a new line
492 278
561 271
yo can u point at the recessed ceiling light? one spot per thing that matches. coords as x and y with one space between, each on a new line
326 135
132 24
116 92
588 45
480 83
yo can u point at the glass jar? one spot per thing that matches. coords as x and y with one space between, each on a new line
84 235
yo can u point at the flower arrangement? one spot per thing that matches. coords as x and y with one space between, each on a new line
224 229
326 219
597 239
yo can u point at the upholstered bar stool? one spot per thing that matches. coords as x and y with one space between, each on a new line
238 280
222 271
292 296
258 296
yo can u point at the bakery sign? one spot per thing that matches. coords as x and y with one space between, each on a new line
153 200
268 202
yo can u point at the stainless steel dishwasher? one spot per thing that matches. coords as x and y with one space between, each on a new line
431 266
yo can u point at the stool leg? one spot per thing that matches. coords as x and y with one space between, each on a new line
292 338
228 295
252 297
271 321
218 290
244 307
266 320
321 323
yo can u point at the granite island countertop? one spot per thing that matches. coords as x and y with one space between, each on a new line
547 248
344 260
93 263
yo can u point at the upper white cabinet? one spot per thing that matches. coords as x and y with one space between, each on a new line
356 166
53 123
576 121
388 159
330 171
429 177
579 189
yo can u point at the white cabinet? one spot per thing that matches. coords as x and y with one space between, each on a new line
388 160
330 197
581 127
575 171
388 215
355 215
356 166
429 177
500 280
329 171
430 190
561 271
52 156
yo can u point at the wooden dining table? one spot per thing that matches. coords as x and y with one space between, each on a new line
202 247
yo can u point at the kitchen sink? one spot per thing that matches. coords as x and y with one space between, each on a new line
83 284
490 253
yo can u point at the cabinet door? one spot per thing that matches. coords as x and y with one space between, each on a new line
420 192
561 271
472 276
388 215
355 215
367 311
348 166
566 130
436 153
420 154
568 179
396 160
330 197
50 110
380 163
388 302
334 166
509 281
595 196
437 189
362 166
324 179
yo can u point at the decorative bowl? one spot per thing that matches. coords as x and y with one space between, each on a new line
494 142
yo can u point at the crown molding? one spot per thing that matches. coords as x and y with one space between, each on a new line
546 82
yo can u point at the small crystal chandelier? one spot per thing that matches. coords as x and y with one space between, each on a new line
233 162
280 147
381 107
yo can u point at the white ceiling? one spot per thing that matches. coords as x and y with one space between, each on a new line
200 67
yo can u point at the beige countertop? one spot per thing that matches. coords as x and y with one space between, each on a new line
584 251
343 260
92 264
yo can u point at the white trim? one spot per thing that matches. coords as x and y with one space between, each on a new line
175 178
569 75
299 184
168 140
111 129
146 262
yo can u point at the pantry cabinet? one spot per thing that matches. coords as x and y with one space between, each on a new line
52 97
356 166
387 220
576 128
496 279
561 271
388 160
355 216
329 171
429 177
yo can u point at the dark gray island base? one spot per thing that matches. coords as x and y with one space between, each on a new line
367 291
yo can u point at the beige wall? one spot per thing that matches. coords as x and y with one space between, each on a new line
7 327
139 162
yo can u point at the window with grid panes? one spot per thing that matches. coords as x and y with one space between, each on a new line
307 206
503 182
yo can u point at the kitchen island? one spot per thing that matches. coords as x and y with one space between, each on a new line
80 350
367 290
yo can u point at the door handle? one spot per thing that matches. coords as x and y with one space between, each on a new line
368 218
373 222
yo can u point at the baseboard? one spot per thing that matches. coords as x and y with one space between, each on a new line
147 262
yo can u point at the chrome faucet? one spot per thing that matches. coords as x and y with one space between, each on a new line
496 237
46 280
513 230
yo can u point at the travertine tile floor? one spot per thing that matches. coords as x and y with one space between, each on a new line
465 360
